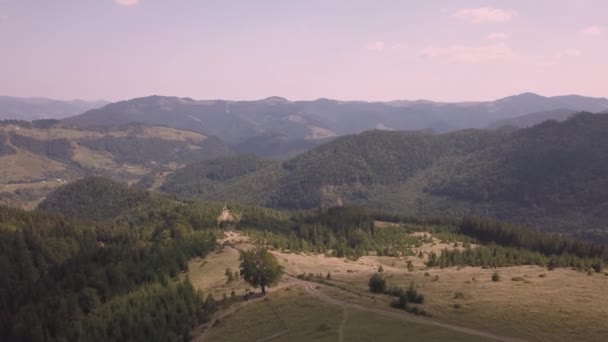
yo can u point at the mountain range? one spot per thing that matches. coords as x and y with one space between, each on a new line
34 108
260 126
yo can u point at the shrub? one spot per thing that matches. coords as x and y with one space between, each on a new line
416 310
410 266
458 295
328 276
597 266
377 284
380 269
229 275
413 296
395 291
457 306
517 279
495 276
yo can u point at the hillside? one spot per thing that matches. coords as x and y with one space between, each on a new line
551 176
532 119
17 108
258 126
201 178
348 168
552 171
95 198
37 156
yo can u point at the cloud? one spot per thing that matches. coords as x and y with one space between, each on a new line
471 54
399 46
126 2
485 14
375 46
498 36
560 55
569 53
592 31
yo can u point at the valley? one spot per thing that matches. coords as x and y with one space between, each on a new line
303 171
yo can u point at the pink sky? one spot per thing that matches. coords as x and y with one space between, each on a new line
343 49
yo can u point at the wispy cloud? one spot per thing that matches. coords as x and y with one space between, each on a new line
126 2
498 36
485 14
592 31
399 46
375 46
471 54
560 55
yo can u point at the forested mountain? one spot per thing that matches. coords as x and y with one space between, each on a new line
40 155
551 176
17 108
256 126
555 171
532 119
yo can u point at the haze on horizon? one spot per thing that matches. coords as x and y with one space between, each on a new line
342 49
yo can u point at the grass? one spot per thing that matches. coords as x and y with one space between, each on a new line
565 305
303 316
367 326
307 318
208 274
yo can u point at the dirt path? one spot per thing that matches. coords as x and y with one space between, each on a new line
406 317
341 329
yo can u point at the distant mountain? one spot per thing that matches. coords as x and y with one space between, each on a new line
259 126
36 157
551 176
18 108
532 119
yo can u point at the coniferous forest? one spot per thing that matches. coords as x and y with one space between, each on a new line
66 280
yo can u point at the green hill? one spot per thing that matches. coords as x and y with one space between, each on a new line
552 176
94 198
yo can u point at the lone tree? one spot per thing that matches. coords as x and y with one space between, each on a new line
260 268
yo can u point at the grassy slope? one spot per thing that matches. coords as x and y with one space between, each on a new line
564 305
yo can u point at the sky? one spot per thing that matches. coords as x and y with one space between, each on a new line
373 50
